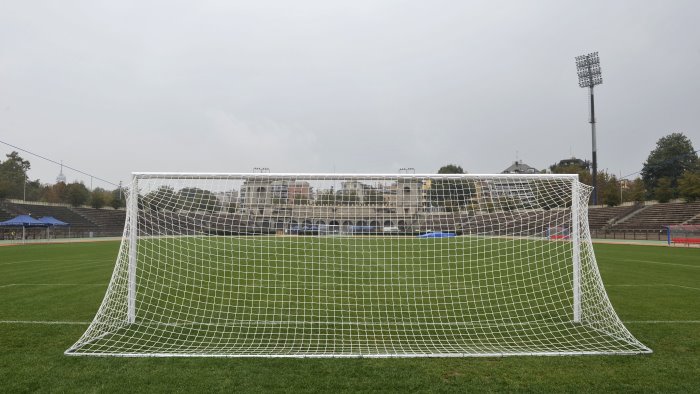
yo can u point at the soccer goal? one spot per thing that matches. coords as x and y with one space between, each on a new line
338 265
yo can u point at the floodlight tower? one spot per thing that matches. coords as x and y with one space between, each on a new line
588 69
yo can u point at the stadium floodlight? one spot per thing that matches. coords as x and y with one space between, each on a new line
473 265
589 75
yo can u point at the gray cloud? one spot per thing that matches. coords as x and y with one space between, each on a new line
317 86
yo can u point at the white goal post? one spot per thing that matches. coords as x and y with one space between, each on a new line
355 265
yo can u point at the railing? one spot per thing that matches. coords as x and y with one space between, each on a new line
40 233
632 234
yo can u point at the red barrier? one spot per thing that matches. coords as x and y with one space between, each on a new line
685 240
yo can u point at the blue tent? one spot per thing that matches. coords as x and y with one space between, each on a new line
23 221
437 234
52 221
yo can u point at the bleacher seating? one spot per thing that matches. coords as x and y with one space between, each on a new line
83 221
109 221
78 224
5 215
600 217
655 217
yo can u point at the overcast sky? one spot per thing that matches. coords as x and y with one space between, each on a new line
112 87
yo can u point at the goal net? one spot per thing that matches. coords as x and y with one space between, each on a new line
321 265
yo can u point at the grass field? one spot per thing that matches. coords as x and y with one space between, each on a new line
48 294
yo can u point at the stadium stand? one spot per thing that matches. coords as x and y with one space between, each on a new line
655 217
694 220
605 221
108 220
599 218
83 221
5 215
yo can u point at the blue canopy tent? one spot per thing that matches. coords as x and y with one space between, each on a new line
437 234
53 222
23 221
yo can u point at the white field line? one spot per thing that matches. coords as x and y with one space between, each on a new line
661 263
62 268
57 323
662 321
28 261
657 285
48 322
53 284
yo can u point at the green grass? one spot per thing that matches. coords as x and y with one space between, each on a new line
655 290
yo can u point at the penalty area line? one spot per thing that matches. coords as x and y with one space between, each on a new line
77 323
58 323
656 285
661 321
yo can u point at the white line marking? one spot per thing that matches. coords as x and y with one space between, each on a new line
662 321
661 263
24 262
656 285
53 284
39 322
44 322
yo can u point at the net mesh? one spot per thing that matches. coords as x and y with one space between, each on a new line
355 266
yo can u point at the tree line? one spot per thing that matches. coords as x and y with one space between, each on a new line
671 171
14 184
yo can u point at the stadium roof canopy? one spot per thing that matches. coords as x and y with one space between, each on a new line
23 221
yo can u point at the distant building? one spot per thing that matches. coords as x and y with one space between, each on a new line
518 167
513 190
227 199
573 162
61 178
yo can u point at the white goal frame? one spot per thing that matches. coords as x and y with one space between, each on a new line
607 324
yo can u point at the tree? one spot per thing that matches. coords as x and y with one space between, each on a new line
55 193
99 198
451 169
689 186
77 194
609 189
635 191
451 194
161 199
673 155
584 175
13 175
663 191
196 199
117 200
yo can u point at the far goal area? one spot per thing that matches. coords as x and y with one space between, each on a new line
347 265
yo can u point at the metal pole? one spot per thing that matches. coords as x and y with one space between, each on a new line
595 151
